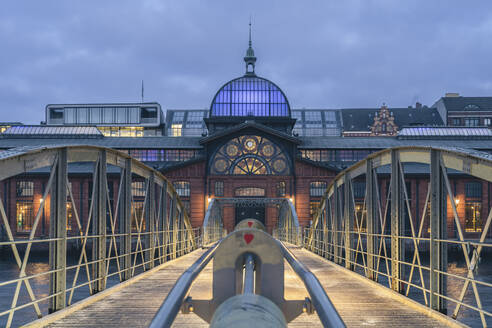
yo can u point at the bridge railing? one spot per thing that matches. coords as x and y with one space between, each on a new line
60 246
213 226
421 253
288 228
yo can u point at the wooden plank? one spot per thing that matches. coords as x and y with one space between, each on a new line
359 302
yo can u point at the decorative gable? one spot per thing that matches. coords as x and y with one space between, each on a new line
384 123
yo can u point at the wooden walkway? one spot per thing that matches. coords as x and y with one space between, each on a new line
359 302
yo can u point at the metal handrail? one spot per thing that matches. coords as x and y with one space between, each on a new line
172 304
327 313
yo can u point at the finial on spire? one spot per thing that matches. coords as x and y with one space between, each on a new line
250 58
250 43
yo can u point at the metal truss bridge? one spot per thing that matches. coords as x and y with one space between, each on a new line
143 264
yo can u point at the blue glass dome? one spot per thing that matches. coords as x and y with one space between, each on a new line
250 95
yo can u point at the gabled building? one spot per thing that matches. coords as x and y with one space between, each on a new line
457 110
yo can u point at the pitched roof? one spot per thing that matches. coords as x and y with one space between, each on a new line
111 142
250 124
43 131
445 132
388 142
361 119
473 103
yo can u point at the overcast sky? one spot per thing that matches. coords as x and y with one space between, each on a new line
323 54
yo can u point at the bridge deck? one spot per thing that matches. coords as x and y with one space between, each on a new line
358 302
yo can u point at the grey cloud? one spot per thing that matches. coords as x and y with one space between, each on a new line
322 53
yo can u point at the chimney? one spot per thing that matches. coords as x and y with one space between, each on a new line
452 94
418 105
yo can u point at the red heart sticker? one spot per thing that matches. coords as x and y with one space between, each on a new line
248 237
250 224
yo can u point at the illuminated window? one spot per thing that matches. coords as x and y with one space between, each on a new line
360 216
176 130
250 155
219 188
4 128
473 206
25 214
281 189
317 188
24 205
126 131
182 188
70 215
249 192
473 218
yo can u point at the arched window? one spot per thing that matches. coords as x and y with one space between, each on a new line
249 155
182 188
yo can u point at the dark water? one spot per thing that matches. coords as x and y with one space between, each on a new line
38 263
456 266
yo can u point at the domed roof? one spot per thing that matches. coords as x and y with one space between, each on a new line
250 95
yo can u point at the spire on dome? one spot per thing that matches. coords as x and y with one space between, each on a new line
250 58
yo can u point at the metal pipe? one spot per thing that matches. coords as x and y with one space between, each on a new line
249 274
171 305
327 313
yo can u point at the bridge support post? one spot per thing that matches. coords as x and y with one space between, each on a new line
371 209
348 214
58 230
438 250
336 226
150 223
173 226
397 226
162 222
326 228
125 220
99 225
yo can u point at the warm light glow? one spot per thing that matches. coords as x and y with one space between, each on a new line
456 201
209 199
41 199
291 199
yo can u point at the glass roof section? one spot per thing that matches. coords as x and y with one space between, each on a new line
316 122
186 122
427 131
250 95
33 130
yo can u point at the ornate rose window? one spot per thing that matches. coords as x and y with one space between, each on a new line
250 155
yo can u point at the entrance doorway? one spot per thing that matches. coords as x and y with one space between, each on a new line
250 211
